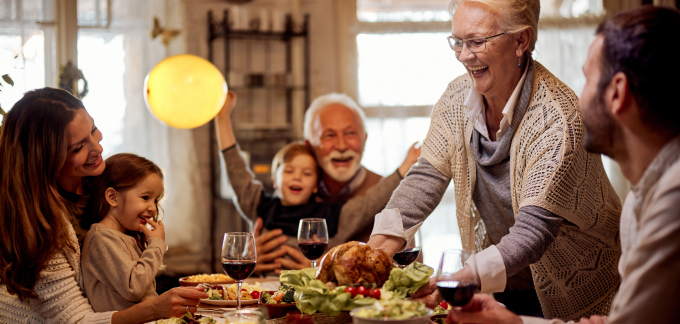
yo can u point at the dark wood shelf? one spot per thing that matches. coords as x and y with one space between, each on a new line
262 141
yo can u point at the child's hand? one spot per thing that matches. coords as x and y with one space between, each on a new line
225 132
228 106
411 158
158 229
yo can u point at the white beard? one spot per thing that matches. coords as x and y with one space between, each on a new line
341 174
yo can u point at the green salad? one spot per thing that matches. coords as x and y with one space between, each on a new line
397 309
285 295
312 295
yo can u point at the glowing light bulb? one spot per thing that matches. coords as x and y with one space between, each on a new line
185 91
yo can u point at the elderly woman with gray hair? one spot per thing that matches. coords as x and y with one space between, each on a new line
539 207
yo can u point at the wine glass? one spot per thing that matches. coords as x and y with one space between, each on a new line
410 253
457 277
238 258
313 238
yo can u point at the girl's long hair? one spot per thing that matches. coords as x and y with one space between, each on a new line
33 217
123 172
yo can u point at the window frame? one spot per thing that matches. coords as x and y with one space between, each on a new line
349 28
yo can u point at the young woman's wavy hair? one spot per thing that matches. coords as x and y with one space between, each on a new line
33 217
123 172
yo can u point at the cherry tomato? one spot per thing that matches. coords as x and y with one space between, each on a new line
255 294
444 305
362 291
375 293
351 290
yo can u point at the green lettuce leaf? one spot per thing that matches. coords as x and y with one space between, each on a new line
407 281
312 295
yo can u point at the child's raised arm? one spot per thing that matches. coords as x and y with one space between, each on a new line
225 132
248 190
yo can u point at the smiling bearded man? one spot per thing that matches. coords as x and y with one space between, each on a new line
334 129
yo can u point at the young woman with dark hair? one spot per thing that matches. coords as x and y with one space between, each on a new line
49 147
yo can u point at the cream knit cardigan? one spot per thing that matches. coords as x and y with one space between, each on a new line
60 294
549 168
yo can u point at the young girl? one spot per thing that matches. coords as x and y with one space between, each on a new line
121 256
295 174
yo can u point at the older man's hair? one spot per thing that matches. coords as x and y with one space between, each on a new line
323 101
514 16
642 43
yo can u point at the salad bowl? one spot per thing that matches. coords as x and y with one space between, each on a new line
421 319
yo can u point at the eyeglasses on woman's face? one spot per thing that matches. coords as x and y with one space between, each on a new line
474 45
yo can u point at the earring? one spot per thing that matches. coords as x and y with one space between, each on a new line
519 63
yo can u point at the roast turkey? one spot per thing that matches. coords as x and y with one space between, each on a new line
355 263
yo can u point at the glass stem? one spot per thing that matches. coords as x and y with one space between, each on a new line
238 295
314 264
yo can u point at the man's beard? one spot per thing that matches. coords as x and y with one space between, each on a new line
600 128
341 174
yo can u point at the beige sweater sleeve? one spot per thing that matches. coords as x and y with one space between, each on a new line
60 299
117 270
359 212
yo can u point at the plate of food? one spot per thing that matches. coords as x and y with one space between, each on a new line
401 311
220 295
211 279
279 303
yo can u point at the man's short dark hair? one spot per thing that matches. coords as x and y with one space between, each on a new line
644 44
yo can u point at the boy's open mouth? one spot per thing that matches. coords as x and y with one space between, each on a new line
295 189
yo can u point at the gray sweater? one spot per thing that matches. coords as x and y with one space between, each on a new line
116 272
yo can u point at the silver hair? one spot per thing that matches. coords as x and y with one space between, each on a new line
514 15
323 101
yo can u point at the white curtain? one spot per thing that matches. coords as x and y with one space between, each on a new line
116 102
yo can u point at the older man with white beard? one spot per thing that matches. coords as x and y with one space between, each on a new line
334 130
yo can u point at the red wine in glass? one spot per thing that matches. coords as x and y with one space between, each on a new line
457 293
238 270
407 256
239 258
313 250
457 276
313 238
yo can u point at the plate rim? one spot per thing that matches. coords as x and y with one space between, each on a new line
228 302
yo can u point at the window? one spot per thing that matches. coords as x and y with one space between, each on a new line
403 66
94 13
27 47
402 10
106 100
